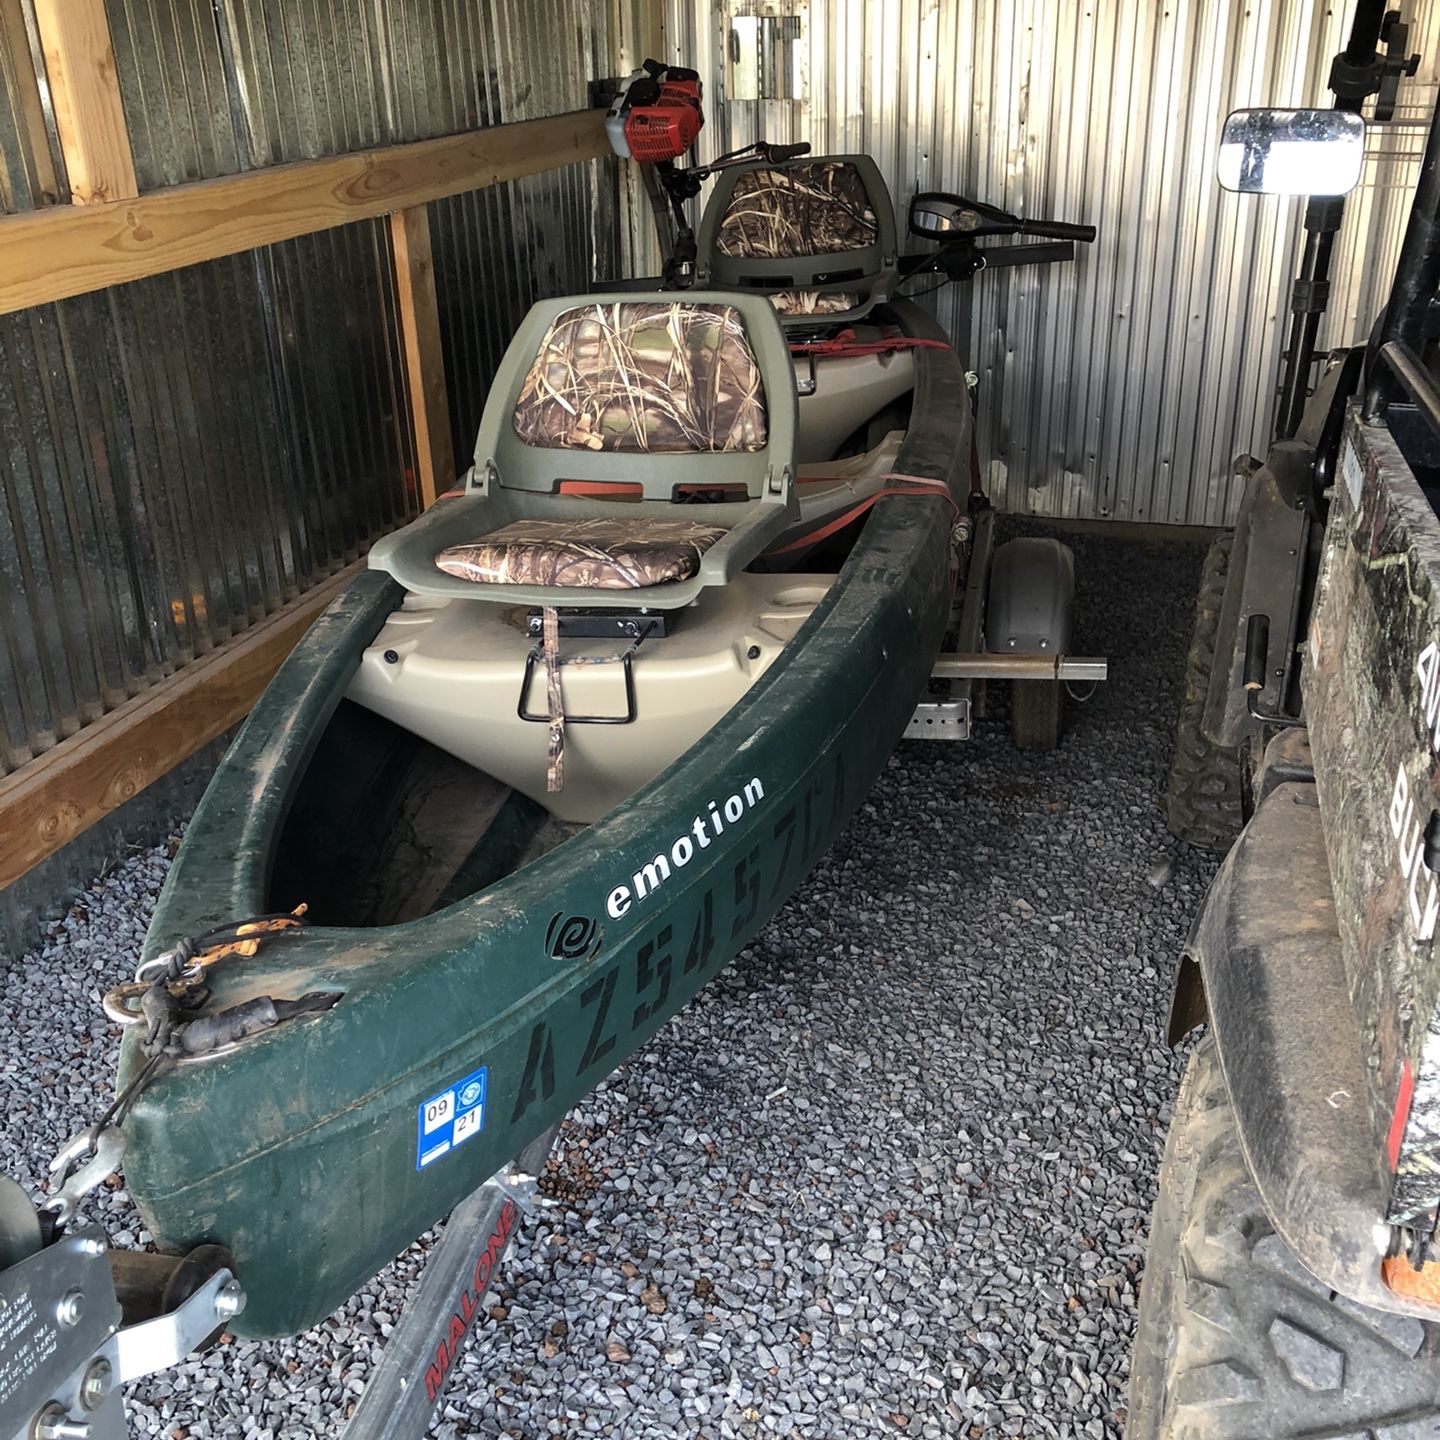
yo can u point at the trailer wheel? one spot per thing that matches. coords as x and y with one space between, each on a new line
1205 804
1037 714
1234 1338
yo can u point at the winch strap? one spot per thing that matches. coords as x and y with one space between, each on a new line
555 702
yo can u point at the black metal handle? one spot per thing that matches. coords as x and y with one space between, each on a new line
1257 662
628 718
785 152
1257 652
1058 230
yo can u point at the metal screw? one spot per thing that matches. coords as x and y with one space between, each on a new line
90 1245
95 1385
53 1423
229 1300
392 657
70 1307
753 652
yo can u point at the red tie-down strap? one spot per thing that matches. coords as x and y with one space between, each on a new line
845 343
902 485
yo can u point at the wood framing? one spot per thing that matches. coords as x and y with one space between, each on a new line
25 95
85 94
49 801
424 361
63 251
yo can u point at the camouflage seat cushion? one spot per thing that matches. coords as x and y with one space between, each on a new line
657 377
786 212
815 302
622 554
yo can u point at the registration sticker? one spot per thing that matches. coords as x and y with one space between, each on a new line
1353 472
451 1118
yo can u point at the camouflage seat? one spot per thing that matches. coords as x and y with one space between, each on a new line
815 234
629 443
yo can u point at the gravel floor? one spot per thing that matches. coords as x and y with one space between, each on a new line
890 1174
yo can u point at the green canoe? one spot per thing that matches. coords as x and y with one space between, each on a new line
493 965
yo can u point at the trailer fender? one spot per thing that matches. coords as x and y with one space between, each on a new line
1031 602
1267 947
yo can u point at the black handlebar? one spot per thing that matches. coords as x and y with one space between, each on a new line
1057 230
785 152
953 219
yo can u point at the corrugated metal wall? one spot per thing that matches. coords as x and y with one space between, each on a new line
181 456
1125 385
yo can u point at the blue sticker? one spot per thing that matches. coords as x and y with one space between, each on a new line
451 1118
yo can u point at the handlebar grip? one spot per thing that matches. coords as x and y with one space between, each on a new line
786 152
1057 230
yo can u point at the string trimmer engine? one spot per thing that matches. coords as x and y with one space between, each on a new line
657 116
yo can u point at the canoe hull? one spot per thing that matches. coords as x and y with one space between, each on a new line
305 1150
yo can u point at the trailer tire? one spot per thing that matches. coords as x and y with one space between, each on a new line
1206 795
1037 714
1234 1338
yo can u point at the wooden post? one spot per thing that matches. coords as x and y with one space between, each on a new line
85 92
424 361
35 138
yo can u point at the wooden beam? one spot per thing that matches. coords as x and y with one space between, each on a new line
424 360
45 804
30 110
85 94
51 254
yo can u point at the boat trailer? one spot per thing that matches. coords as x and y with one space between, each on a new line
1013 620
79 1319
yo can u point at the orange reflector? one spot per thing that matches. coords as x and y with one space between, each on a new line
1404 1279
603 489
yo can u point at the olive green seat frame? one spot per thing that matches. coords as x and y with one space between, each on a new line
512 480
879 263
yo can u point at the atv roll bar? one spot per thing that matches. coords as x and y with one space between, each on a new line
1412 378
1393 358
1358 72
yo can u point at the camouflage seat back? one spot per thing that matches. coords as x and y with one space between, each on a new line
816 234
660 390
644 377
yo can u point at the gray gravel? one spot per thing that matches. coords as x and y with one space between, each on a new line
890 1174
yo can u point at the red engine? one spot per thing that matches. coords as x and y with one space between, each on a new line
657 116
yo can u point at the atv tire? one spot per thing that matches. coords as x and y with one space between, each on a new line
1206 797
1235 1339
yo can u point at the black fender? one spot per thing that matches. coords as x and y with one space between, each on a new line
1030 607
1267 950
